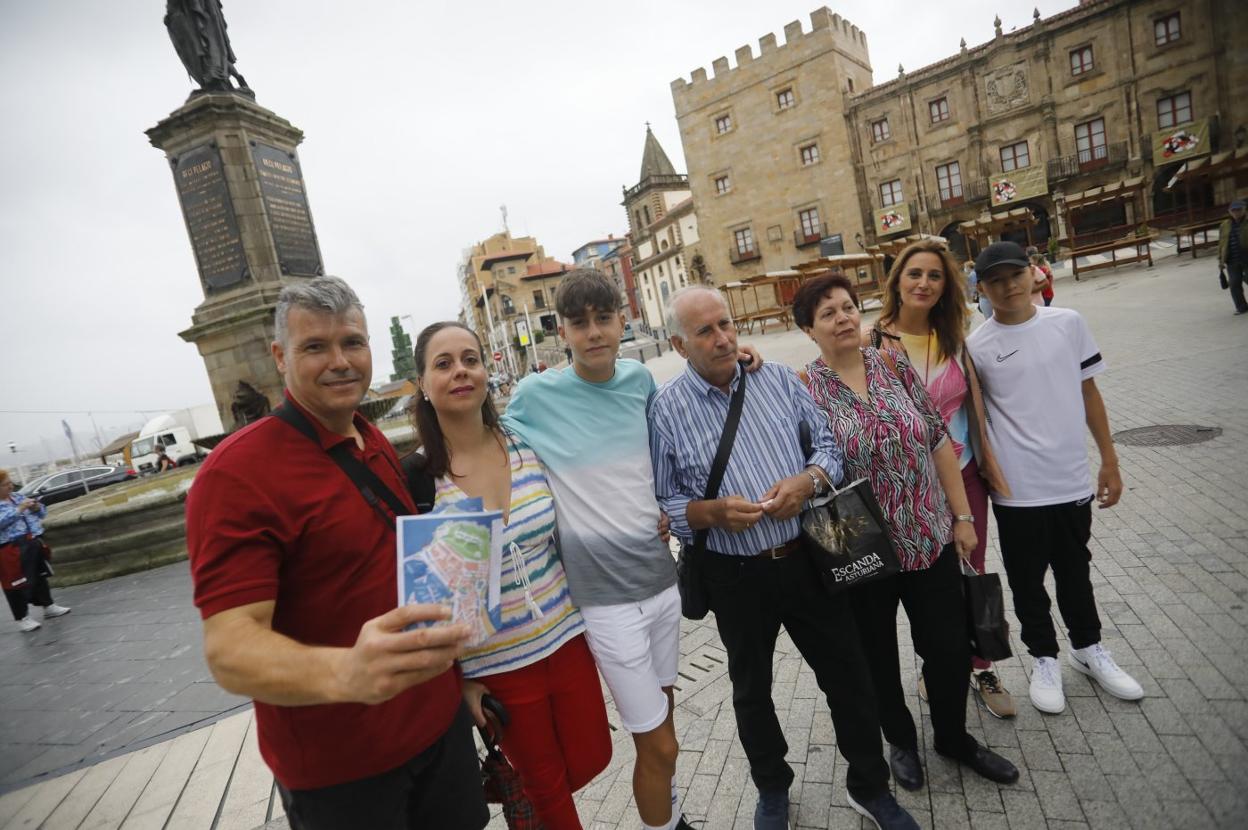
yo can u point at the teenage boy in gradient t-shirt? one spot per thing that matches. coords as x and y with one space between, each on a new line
1037 367
587 424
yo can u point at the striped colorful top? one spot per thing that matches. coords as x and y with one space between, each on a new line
529 551
889 440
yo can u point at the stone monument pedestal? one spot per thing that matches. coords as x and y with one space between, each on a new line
241 190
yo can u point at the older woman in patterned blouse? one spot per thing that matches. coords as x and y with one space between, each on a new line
893 436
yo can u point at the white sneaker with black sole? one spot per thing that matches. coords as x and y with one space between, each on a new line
1097 663
1046 686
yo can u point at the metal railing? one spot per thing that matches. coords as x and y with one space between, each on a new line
1084 161
656 181
801 239
969 192
738 256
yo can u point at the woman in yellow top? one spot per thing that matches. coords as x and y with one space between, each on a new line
925 317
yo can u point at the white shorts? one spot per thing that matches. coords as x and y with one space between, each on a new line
637 648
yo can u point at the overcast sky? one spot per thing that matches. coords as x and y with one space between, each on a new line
420 120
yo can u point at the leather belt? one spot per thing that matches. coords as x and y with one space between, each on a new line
780 551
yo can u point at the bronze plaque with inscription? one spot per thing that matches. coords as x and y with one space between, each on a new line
210 219
281 185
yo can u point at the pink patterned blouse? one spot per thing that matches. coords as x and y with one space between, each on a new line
889 441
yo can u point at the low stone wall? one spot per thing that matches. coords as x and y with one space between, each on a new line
110 535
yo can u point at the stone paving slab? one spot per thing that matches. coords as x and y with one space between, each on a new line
1170 567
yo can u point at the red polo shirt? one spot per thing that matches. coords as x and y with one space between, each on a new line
272 517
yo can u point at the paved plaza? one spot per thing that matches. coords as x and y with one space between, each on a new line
98 709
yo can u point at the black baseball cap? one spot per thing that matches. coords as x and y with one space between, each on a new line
1000 253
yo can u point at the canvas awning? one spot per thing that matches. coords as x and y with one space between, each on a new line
1113 191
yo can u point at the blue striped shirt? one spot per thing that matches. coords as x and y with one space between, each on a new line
687 417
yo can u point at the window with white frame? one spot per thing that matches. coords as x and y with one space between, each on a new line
890 193
744 240
1090 141
809 221
1166 29
949 181
1015 157
1174 110
1081 60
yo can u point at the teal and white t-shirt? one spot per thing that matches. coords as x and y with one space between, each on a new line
594 441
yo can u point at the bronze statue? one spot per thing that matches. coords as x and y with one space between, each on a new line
197 29
249 405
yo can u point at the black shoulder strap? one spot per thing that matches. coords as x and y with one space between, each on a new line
419 483
720 464
370 486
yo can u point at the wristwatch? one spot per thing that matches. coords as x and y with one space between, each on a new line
964 517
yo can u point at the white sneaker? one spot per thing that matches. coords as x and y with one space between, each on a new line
1046 686
28 623
1095 661
54 610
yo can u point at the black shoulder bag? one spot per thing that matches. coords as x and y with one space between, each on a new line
694 602
420 484
372 488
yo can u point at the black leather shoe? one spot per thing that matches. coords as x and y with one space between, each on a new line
907 770
990 765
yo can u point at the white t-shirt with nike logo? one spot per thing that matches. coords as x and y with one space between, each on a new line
1032 377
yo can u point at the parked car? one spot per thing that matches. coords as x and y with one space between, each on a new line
64 485
628 334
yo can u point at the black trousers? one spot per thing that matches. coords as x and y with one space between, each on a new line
1034 539
752 597
934 605
36 590
439 788
1235 276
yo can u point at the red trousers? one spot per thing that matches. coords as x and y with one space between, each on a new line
558 739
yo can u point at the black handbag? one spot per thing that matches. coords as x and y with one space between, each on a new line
846 533
694 601
985 615
1222 278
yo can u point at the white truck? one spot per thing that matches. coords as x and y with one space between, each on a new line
176 432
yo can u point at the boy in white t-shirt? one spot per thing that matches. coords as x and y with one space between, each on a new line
1037 367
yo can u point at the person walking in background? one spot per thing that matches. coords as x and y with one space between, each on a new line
756 569
924 318
893 436
977 296
537 663
1233 253
24 569
1046 293
1037 369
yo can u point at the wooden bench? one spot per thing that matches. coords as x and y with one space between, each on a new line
1190 232
1142 246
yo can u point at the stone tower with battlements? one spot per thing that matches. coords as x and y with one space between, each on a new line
766 142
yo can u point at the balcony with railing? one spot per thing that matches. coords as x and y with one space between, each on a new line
740 255
663 180
802 239
967 193
1085 161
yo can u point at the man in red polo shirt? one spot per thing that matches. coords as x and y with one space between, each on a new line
361 722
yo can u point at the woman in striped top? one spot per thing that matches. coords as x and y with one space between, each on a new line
537 664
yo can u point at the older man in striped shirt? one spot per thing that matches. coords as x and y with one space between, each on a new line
757 572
